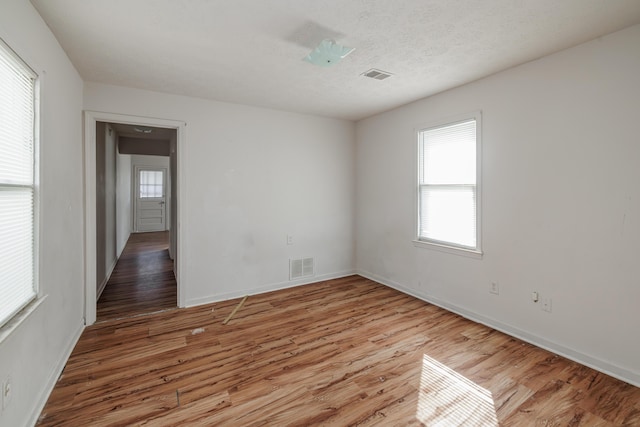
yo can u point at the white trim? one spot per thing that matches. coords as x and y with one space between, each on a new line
21 316
45 391
605 367
448 249
90 120
124 244
37 183
106 278
269 288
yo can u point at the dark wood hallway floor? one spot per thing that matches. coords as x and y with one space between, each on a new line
142 281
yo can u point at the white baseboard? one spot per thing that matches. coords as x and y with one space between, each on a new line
268 288
618 372
43 396
124 245
106 279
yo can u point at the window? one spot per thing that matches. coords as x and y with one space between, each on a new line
448 191
17 184
151 184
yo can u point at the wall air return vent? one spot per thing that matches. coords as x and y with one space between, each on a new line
377 74
303 267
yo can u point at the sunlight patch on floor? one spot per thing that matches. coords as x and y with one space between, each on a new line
448 399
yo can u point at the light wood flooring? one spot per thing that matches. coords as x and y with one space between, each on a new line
142 280
343 352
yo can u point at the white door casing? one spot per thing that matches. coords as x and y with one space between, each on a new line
150 193
90 121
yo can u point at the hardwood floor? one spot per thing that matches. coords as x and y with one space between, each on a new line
342 352
142 280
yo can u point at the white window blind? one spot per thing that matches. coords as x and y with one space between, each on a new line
17 130
448 196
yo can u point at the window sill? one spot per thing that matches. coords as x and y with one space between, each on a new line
448 249
17 320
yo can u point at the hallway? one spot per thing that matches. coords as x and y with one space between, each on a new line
142 281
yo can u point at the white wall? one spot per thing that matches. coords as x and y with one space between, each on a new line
123 201
110 192
106 232
561 205
33 352
173 224
252 176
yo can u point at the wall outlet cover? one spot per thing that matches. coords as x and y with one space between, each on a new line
495 288
7 392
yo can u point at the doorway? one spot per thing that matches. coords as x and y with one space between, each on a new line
172 214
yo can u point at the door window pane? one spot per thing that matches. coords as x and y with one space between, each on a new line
151 184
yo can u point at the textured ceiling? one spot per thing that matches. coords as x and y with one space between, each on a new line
250 51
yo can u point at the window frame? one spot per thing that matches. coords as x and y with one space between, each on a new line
444 246
26 308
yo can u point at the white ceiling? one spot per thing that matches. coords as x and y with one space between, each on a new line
250 51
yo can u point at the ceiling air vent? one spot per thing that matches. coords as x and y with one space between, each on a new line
377 74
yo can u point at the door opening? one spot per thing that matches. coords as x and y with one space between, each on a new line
156 189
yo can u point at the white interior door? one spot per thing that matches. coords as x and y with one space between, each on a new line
151 207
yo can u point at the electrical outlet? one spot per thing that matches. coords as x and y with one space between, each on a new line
546 305
495 288
7 392
289 239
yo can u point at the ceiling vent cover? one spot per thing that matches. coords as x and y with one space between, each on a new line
300 268
377 74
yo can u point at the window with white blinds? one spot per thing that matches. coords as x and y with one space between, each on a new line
17 184
448 196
